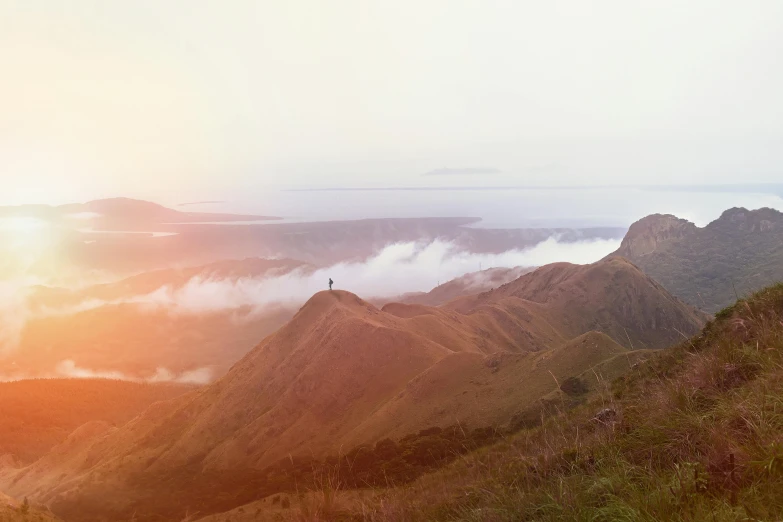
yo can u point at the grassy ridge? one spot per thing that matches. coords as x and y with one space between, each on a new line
696 433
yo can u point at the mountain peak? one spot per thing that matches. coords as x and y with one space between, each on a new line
740 218
709 266
646 235
322 301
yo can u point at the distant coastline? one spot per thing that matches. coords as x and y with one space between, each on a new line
765 188
200 203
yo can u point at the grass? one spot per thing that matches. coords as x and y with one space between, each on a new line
697 434
11 511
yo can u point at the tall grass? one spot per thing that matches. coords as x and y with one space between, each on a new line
695 433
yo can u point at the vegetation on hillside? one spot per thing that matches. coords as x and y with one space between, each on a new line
710 267
343 373
387 463
695 433
16 511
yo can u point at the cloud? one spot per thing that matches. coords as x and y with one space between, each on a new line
14 313
197 376
70 370
397 269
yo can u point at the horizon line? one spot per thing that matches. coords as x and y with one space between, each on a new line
688 188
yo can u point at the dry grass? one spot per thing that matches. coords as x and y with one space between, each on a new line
697 435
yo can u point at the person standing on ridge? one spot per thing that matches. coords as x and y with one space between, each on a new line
330 283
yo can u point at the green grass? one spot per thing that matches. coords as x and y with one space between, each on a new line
698 436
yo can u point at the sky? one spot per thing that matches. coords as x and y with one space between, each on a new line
205 99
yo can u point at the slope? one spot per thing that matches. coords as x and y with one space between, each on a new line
159 319
342 372
475 390
468 284
39 414
693 433
740 252
612 296
12 510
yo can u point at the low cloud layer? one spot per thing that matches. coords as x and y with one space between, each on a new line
397 269
70 370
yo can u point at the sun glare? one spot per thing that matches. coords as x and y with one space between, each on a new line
24 234
24 224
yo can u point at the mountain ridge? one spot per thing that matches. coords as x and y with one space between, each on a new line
709 267
343 372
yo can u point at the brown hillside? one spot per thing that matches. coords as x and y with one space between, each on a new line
39 414
476 390
468 284
343 372
112 333
612 296
12 510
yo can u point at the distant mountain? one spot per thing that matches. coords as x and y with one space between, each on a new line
612 296
115 211
709 267
120 237
471 283
117 327
343 372
171 278
317 243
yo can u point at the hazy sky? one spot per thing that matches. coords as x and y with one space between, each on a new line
197 98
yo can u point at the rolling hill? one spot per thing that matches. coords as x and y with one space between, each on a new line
343 372
709 267
159 319
471 283
118 212
693 433
612 296
39 414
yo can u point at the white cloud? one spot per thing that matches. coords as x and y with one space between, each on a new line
14 313
397 269
197 376
69 369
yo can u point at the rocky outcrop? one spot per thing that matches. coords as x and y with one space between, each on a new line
646 235
749 221
709 267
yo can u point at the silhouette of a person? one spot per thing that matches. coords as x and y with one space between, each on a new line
330 283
